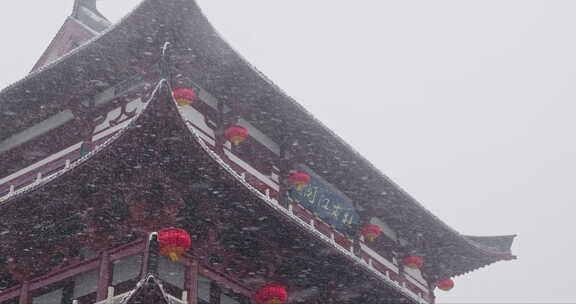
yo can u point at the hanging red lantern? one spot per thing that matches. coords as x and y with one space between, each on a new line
299 179
414 262
173 242
371 232
445 284
272 294
184 96
236 134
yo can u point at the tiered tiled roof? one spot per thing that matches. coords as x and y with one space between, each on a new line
135 43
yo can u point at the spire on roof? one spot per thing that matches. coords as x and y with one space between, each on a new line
84 23
86 12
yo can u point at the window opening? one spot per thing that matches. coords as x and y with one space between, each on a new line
172 275
210 292
58 293
81 287
204 287
85 287
126 273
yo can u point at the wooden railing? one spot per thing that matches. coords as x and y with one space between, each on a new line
54 164
59 161
365 256
266 185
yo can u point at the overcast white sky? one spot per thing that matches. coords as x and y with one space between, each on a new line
468 105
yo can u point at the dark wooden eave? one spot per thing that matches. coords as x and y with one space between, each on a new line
86 11
84 23
122 152
213 64
117 54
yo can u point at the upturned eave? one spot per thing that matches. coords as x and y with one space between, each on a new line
133 44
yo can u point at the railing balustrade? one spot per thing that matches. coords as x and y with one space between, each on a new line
376 262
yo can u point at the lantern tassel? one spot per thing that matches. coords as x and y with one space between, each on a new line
236 140
300 186
173 256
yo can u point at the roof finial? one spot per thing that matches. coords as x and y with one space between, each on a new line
87 12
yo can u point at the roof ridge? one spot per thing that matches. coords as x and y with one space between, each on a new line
86 45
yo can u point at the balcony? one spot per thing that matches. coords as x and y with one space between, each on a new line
408 282
266 184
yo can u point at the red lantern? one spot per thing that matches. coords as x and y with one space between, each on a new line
173 242
236 134
445 284
184 96
414 262
271 294
299 179
371 232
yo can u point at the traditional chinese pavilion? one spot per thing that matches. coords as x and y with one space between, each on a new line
148 162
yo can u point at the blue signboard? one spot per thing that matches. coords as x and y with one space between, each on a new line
328 204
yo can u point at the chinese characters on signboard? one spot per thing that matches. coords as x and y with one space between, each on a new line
329 205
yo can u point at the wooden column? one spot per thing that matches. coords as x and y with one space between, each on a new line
192 282
25 293
219 130
105 276
283 165
87 119
399 254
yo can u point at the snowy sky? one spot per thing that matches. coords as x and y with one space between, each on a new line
468 105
